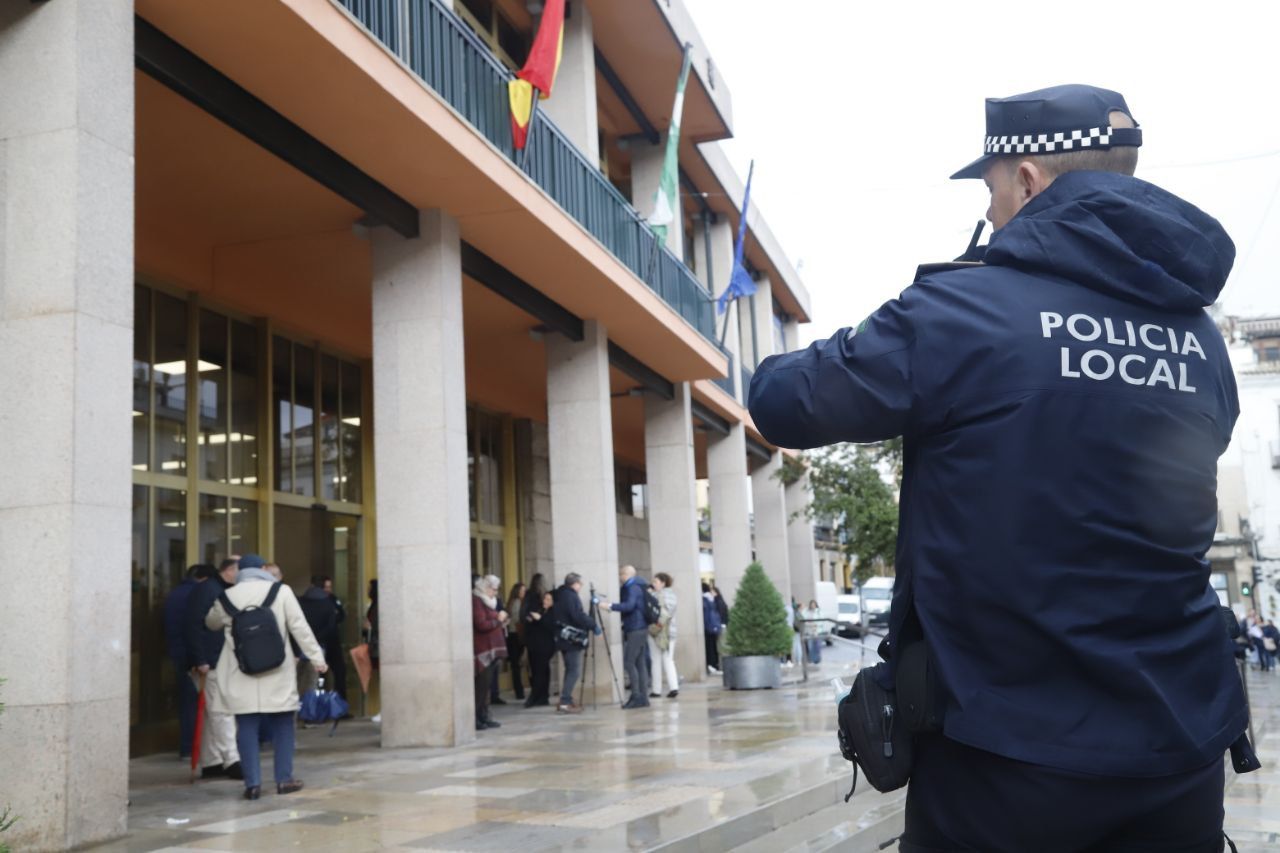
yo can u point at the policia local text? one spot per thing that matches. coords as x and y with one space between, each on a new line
1134 368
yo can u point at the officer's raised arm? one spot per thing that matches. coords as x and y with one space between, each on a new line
855 386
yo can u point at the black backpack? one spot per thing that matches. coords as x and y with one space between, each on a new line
259 646
652 607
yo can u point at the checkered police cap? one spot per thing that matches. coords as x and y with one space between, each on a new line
1051 121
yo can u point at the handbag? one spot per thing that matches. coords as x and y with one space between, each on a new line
1269 644
872 735
574 636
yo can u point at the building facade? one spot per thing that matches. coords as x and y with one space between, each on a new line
274 280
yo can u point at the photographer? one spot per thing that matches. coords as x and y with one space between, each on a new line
1063 407
635 634
567 612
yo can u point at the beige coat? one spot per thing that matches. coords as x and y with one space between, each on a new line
269 692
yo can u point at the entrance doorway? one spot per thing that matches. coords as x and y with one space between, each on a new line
315 541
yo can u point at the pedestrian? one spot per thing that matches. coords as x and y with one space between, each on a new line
1270 643
266 701
1259 647
324 615
515 638
711 629
333 653
573 629
175 614
539 640
219 755
662 639
1062 406
489 645
635 634
371 634
813 631
722 610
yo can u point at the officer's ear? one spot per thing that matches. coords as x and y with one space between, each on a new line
1029 181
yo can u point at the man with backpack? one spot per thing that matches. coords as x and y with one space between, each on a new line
639 609
257 675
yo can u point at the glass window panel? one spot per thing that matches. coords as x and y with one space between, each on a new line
170 399
213 529
140 590
304 420
352 469
330 474
244 527
243 441
214 410
493 557
282 403
472 491
141 378
169 552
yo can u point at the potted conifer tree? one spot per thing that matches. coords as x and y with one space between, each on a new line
758 634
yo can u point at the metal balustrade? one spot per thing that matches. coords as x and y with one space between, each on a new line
443 51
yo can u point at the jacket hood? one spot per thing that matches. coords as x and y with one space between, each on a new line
1120 236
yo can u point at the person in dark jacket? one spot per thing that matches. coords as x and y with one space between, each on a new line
175 614
567 611
712 627
635 634
219 755
1063 407
325 615
539 640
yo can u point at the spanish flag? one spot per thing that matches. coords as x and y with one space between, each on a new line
539 71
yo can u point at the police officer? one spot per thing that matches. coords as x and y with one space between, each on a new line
1063 406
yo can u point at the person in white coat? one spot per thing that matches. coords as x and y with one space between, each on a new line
662 639
268 700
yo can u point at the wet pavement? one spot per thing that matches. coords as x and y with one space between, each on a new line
711 770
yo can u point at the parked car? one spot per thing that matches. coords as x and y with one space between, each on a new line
849 615
877 595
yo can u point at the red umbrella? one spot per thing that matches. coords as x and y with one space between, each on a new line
199 730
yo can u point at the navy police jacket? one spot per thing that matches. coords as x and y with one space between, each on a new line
1063 408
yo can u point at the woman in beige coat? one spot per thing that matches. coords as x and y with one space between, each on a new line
266 702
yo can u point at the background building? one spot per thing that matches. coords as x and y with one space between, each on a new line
274 280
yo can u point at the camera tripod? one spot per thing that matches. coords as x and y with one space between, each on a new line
598 637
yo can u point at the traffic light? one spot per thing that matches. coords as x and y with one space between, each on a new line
1246 589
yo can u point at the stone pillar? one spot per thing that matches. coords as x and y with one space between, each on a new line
762 300
791 335
801 557
770 515
646 174
573 107
584 529
730 507
420 432
66 343
673 518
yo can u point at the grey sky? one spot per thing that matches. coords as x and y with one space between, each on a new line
856 113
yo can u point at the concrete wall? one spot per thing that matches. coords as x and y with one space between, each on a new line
533 496
633 543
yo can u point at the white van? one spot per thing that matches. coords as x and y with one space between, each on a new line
850 616
876 594
824 592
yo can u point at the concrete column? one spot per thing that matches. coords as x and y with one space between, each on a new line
533 479
770 515
420 432
791 335
801 557
66 342
730 507
673 518
646 173
762 299
573 103
584 529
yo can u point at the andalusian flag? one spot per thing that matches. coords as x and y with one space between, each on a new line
740 282
667 197
539 71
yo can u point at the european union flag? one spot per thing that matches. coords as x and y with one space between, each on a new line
740 283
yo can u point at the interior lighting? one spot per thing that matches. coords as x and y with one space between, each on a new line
351 421
179 368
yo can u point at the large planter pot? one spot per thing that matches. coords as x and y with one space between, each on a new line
752 672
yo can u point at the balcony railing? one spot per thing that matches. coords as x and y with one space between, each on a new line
451 59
